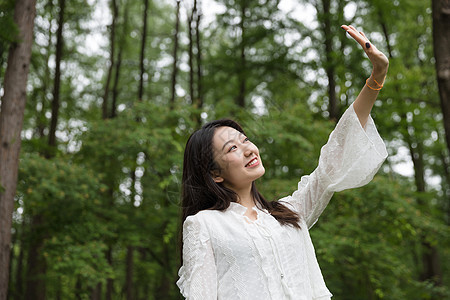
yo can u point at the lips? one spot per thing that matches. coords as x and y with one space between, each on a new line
253 162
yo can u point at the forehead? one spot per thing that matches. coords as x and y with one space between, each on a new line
224 134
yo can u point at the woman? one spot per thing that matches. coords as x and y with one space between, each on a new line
236 245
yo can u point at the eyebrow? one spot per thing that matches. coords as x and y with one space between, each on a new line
232 140
227 143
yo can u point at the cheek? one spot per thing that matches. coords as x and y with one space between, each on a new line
255 148
231 162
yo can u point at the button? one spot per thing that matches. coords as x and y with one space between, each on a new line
282 275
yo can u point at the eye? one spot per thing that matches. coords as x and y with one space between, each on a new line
232 148
246 139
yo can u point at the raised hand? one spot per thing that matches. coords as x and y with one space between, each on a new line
379 61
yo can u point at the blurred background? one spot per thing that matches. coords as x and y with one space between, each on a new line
115 87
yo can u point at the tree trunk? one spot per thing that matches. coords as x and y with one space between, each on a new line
36 267
116 83
175 57
78 288
129 273
242 66
118 66
329 63
146 290
115 12
199 59
195 72
441 43
96 293
431 269
57 82
41 119
191 53
109 281
142 57
11 122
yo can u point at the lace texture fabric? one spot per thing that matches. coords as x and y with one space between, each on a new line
227 256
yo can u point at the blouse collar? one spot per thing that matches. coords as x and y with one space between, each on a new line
241 209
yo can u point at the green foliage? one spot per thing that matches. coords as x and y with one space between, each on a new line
114 185
66 198
368 240
9 32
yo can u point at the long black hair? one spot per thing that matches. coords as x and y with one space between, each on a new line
200 191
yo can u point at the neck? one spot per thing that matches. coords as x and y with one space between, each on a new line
245 197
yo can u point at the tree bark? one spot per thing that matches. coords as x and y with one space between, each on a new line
129 272
96 293
57 82
175 57
11 122
195 71
115 12
141 60
146 289
115 94
240 100
191 53
36 266
109 281
199 59
441 45
41 119
329 64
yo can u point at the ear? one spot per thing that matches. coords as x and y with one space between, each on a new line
216 177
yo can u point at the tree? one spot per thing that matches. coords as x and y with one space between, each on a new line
417 115
11 120
142 54
57 79
115 13
441 43
175 56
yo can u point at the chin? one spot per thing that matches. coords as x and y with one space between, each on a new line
261 172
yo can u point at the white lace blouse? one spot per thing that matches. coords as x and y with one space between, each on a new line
228 256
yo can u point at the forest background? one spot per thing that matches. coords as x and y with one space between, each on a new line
109 109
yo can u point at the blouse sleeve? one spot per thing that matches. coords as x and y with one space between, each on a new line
198 277
350 159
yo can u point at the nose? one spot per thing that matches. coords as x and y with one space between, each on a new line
248 150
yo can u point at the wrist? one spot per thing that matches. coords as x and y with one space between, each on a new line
379 72
379 75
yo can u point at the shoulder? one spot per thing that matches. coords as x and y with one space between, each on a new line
200 224
201 218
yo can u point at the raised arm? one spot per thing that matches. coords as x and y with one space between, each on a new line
354 151
366 98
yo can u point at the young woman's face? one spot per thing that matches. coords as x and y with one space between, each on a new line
237 157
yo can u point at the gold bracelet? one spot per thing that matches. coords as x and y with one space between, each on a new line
380 85
374 89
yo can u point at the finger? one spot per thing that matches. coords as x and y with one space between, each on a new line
362 33
367 43
352 27
356 36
